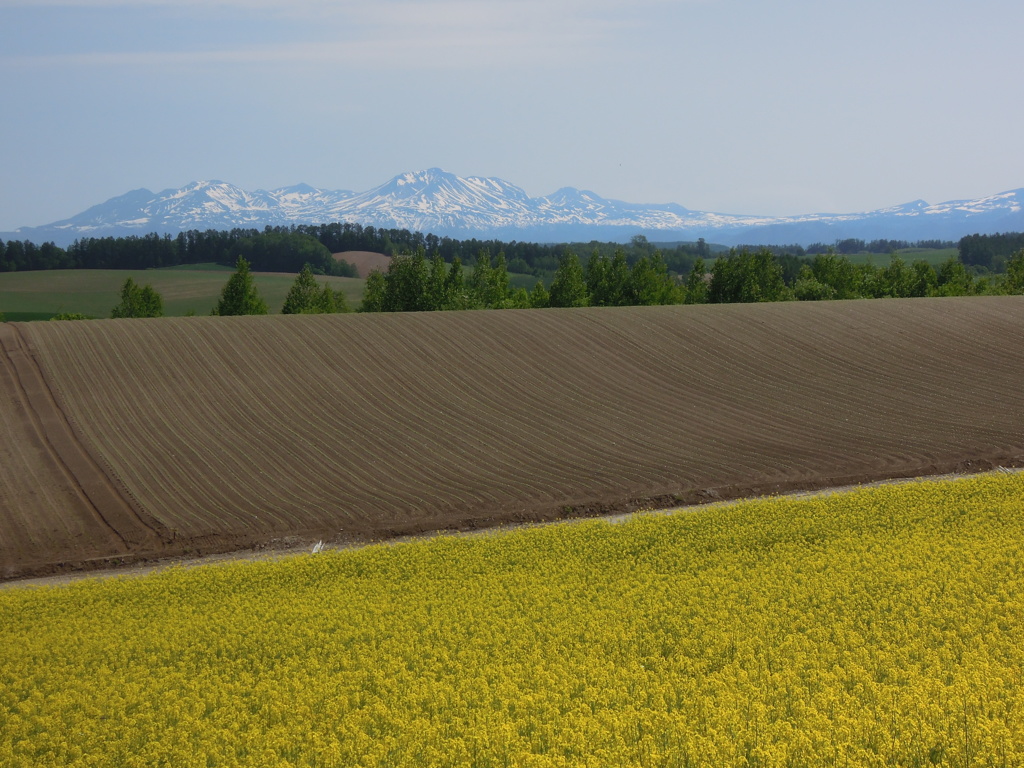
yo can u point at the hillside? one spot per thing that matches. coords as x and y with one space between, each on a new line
226 432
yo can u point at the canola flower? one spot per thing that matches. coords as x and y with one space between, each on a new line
873 628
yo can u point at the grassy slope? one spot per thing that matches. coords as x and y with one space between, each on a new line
933 256
95 292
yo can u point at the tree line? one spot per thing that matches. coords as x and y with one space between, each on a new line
287 249
272 250
412 283
990 252
851 245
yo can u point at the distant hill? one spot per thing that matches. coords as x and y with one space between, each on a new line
365 261
441 203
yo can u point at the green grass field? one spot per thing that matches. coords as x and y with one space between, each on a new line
934 256
95 292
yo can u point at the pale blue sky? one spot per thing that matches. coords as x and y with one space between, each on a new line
740 106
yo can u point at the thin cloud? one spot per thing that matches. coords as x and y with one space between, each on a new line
441 34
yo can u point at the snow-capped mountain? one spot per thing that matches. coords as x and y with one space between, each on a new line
472 206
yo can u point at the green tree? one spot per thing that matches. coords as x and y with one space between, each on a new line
455 291
517 299
954 279
240 295
437 284
697 283
498 293
286 252
745 277
373 293
304 295
1015 273
608 281
307 297
330 301
69 316
596 276
808 288
837 273
539 297
870 282
569 288
898 279
405 283
479 281
650 283
138 301
924 279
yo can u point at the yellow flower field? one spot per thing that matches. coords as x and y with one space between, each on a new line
873 628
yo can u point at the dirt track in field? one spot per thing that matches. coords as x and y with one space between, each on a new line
224 433
365 262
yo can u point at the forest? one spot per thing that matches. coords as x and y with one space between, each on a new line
288 248
432 273
413 283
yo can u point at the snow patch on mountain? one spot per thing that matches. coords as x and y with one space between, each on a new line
442 203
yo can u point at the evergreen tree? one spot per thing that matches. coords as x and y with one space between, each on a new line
539 298
240 295
330 302
138 301
304 295
569 288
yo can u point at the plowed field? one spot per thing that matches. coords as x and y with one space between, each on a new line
204 434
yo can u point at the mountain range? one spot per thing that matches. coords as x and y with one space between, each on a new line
434 201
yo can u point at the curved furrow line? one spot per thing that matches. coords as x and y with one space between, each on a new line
241 427
487 399
69 453
438 429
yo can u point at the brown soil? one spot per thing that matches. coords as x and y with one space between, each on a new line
365 261
221 434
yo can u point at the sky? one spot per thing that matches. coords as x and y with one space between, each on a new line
736 106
